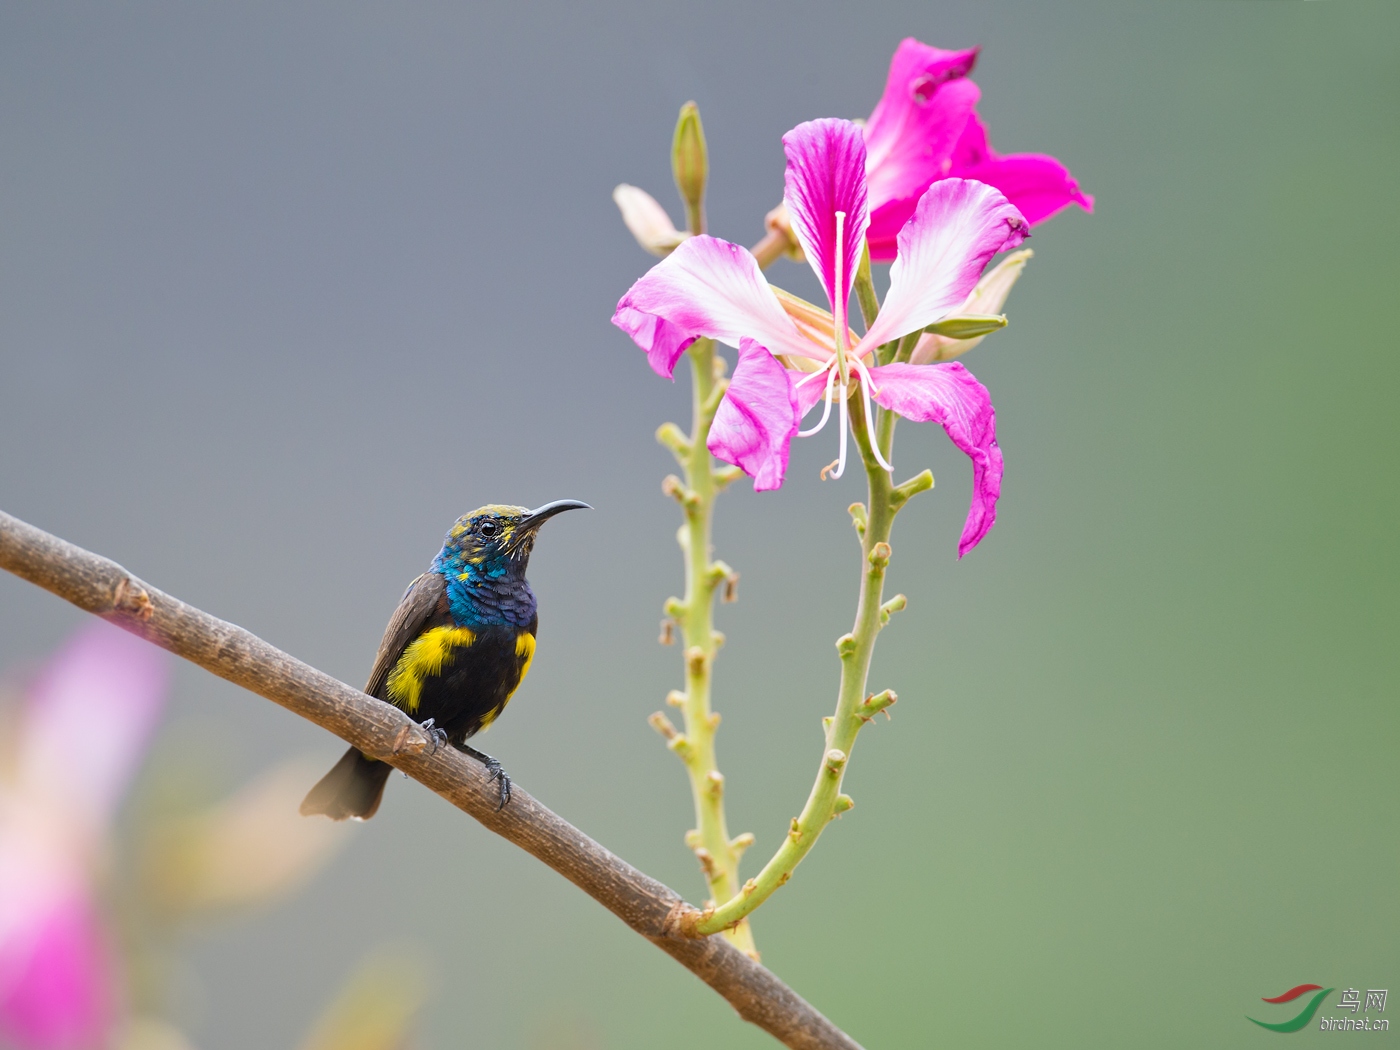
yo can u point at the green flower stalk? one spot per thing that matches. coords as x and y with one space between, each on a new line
694 614
854 706
703 478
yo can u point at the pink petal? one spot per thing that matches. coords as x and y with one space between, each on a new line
826 174
923 153
663 342
973 147
957 227
885 223
55 984
1039 185
89 716
809 394
757 419
705 287
951 396
918 75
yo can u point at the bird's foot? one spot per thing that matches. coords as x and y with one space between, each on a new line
436 737
498 774
494 772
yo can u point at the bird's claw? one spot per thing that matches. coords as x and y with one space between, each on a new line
495 772
436 737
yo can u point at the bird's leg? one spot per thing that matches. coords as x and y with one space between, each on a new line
493 768
435 735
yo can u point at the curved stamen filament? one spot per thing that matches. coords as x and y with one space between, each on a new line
867 381
845 425
813 375
870 422
826 410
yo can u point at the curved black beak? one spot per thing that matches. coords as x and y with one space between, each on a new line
536 518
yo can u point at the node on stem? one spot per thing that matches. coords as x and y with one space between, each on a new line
730 594
859 518
663 725
902 494
671 436
894 605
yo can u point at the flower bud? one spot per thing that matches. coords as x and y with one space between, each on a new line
967 327
647 220
691 165
778 221
985 301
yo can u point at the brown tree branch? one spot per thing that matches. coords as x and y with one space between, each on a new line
657 912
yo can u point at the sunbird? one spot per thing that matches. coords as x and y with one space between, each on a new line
456 649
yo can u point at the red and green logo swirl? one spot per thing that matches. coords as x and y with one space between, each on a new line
1305 1015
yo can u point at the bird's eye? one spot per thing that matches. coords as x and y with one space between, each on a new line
489 529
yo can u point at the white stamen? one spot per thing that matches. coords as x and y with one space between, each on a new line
867 382
838 301
870 421
845 425
859 366
826 411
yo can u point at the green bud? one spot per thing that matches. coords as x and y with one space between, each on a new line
967 327
986 300
690 164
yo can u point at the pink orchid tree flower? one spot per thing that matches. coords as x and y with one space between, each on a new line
925 127
83 728
709 287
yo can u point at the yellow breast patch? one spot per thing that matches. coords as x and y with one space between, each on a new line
525 646
422 659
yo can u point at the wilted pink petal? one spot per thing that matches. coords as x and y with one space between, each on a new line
1038 184
952 397
89 717
958 226
705 287
826 176
55 985
757 419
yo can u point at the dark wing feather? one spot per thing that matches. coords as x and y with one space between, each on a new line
423 605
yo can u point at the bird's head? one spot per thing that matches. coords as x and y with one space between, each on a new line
496 540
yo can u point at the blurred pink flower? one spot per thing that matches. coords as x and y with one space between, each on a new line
85 723
925 127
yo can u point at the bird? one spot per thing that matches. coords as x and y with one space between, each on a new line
456 649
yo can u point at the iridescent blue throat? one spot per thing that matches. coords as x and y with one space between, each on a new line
493 592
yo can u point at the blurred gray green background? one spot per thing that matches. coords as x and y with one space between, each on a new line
286 288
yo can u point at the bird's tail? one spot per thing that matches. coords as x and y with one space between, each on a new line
353 788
